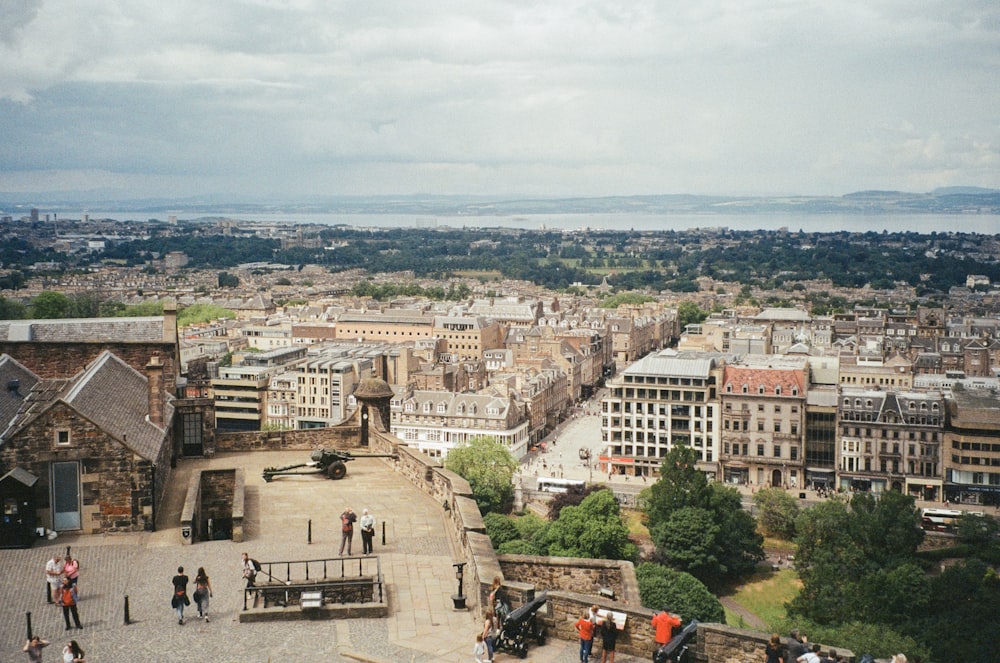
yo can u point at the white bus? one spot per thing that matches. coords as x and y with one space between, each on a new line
553 485
940 520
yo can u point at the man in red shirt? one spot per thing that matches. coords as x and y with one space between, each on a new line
665 622
585 627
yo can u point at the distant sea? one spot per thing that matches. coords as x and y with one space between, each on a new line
988 224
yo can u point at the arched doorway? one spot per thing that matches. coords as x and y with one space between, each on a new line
776 478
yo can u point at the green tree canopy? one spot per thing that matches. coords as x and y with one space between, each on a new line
680 592
776 512
689 313
49 305
594 529
699 527
489 468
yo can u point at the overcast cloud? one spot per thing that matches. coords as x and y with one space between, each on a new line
251 98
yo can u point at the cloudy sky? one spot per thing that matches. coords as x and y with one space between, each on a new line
258 98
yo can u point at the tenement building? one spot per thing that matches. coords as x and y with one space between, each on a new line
892 440
763 418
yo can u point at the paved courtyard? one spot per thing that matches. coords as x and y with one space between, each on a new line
416 562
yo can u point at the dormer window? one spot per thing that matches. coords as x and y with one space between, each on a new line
760 389
777 391
441 408
746 389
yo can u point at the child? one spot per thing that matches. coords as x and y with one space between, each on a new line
479 651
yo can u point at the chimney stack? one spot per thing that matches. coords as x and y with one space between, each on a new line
154 376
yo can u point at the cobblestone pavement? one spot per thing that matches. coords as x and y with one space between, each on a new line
416 562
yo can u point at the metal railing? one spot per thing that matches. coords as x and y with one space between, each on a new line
339 579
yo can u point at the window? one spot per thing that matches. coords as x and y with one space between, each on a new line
760 449
62 438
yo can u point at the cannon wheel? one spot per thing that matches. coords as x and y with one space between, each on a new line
541 637
522 650
337 470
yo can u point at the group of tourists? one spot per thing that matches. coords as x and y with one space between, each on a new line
72 653
367 525
62 575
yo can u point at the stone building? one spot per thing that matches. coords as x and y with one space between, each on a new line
100 443
763 421
972 448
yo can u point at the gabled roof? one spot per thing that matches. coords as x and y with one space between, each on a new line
109 393
16 382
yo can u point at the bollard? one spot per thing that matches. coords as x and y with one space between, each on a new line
383 532
309 535
127 619
27 617
67 551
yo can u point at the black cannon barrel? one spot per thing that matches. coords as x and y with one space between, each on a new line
516 617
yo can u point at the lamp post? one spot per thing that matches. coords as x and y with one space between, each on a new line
459 598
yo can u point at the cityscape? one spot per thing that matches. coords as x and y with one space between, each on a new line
664 331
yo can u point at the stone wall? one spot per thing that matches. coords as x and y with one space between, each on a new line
118 489
64 360
570 574
345 437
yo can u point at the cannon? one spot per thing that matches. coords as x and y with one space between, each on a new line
521 625
676 650
331 462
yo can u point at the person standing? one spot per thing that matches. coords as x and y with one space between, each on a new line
34 649
71 569
67 599
367 524
609 637
202 592
180 597
72 653
775 650
796 646
489 633
347 520
585 628
479 650
665 622
53 575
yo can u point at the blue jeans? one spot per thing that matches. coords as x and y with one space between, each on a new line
585 646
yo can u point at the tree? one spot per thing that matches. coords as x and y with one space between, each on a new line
700 527
681 484
687 541
489 468
500 528
977 529
776 512
227 280
569 498
594 529
48 305
682 593
11 309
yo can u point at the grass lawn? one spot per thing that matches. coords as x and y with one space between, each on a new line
765 594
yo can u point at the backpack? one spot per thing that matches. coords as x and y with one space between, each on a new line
256 564
866 658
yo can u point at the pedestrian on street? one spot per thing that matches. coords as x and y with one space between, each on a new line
347 520
53 576
34 648
367 523
67 599
249 570
609 639
202 592
71 569
180 595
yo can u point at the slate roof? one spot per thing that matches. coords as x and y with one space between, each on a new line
84 330
11 372
109 393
